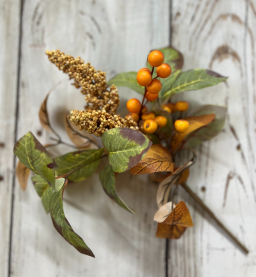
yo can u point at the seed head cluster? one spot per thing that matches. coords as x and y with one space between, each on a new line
97 122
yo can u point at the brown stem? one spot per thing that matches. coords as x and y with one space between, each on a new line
211 214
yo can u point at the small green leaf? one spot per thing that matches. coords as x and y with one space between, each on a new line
194 79
127 79
84 161
44 191
62 225
126 147
107 178
209 131
35 157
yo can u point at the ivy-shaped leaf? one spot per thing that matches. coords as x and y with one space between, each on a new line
126 147
62 225
107 179
35 157
44 191
127 79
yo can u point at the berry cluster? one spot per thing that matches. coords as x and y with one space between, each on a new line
148 121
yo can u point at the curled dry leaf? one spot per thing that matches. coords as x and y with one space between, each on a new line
195 123
22 173
166 185
174 215
157 159
169 231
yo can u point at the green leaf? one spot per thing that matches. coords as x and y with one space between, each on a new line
35 157
62 225
126 147
44 191
167 83
107 179
194 79
127 79
84 161
209 131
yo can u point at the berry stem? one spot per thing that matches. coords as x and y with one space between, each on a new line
142 103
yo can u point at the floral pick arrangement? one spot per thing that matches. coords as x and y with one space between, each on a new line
145 141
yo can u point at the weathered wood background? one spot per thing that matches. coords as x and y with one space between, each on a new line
115 36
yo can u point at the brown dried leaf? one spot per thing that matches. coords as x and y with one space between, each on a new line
22 173
157 159
169 231
178 216
195 123
43 115
79 140
183 176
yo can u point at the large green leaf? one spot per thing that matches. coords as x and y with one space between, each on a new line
35 157
194 79
127 79
126 147
107 178
62 225
209 131
167 83
44 191
84 161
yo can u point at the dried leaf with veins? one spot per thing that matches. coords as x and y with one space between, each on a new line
174 215
22 173
195 123
169 231
157 159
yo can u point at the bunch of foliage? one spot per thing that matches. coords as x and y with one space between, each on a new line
146 141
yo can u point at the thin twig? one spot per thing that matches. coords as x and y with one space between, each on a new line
211 214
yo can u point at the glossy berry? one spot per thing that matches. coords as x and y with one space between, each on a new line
166 108
144 69
181 106
164 70
133 105
149 115
161 121
151 97
150 126
155 58
181 125
144 78
134 116
144 110
172 107
154 87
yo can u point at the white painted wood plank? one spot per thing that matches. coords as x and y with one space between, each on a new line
114 36
9 37
220 35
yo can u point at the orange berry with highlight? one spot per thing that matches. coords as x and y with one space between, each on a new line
161 121
151 97
144 78
134 116
166 108
133 105
181 125
147 116
150 126
172 107
155 58
144 110
154 87
144 69
182 106
164 70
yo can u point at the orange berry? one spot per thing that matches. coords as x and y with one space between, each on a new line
151 96
161 121
144 110
181 125
172 107
155 58
146 116
134 116
144 78
144 69
154 87
150 126
181 106
164 70
166 108
133 105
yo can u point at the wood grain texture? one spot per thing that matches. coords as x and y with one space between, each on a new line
220 35
9 37
114 36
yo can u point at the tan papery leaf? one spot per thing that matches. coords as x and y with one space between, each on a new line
43 115
157 159
169 231
22 173
195 123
